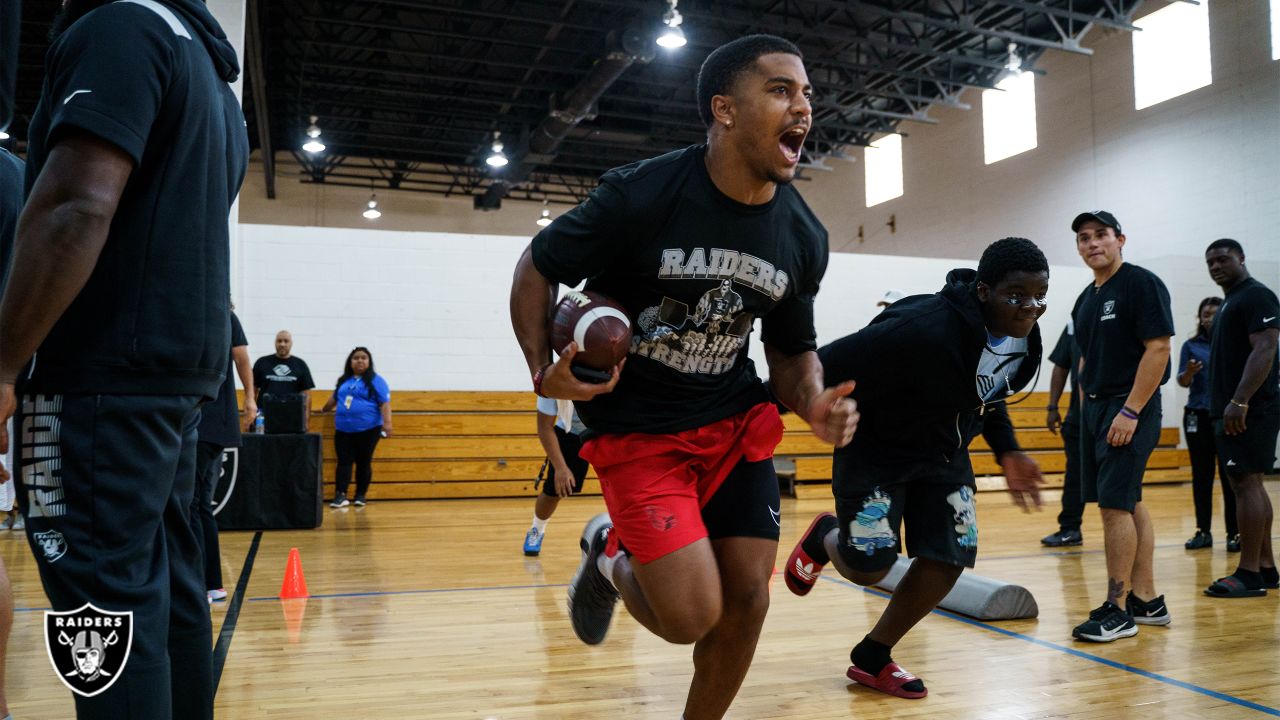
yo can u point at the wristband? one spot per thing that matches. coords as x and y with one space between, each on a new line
1128 412
1242 406
537 380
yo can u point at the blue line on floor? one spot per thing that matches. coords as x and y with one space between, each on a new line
1082 655
420 592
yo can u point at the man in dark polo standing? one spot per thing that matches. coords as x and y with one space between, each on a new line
1123 323
119 288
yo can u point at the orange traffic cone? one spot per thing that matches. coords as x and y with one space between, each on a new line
294 610
295 585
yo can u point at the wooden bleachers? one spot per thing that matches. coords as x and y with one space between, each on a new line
805 463
451 444
475 444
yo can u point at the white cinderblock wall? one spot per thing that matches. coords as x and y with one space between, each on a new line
433 307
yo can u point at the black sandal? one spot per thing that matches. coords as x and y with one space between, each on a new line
1233 587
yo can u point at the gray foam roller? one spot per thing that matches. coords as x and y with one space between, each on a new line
978 597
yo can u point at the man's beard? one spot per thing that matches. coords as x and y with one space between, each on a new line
71 12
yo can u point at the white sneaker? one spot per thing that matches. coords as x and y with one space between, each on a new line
19 522
216 595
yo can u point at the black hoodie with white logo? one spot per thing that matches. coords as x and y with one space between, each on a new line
150 77
916 365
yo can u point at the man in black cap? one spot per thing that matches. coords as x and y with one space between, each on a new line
120 287
1245 404
1123 324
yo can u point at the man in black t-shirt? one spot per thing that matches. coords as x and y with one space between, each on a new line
1066 358
1244 402
283 374
119 287
1123 324
695 244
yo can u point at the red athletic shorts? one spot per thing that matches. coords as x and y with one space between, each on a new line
656 485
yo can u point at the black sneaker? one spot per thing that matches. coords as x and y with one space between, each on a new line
359 502
339 501
1106 624
1153 612
592 597
1063 538
1233 543
1201 539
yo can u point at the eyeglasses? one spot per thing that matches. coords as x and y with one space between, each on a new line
1034 301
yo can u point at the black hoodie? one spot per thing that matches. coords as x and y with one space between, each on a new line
916 365
150 77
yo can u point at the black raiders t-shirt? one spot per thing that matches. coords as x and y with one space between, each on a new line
281 377
693 268
1111 323
154 316
220 418
1066 354
1248 308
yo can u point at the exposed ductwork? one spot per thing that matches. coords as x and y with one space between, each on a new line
579 104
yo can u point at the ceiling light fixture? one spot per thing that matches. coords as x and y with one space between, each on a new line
371 211
672 36
496 159
545 218
1012 68
313 144
1014 64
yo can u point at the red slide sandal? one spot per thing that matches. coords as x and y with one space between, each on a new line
889 681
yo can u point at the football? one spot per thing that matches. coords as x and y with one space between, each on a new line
598 324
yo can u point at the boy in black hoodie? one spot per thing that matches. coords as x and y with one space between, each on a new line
120 287
932 371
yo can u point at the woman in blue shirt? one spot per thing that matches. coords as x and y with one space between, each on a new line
1193 373
363 403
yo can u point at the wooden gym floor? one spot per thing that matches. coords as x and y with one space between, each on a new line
428 609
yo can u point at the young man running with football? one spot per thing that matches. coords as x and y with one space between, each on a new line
695 245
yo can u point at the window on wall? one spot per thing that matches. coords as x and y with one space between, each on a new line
1171 53
884 169
1009 117
1275 29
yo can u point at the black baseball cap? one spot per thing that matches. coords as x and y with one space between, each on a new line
1101 216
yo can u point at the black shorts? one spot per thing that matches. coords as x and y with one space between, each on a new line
872 501
747 504
1254 450
570 444
1112 476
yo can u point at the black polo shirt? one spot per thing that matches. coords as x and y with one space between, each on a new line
153 318
1249 307
274 376
1112 322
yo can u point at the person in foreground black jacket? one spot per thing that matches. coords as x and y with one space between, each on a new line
932 372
